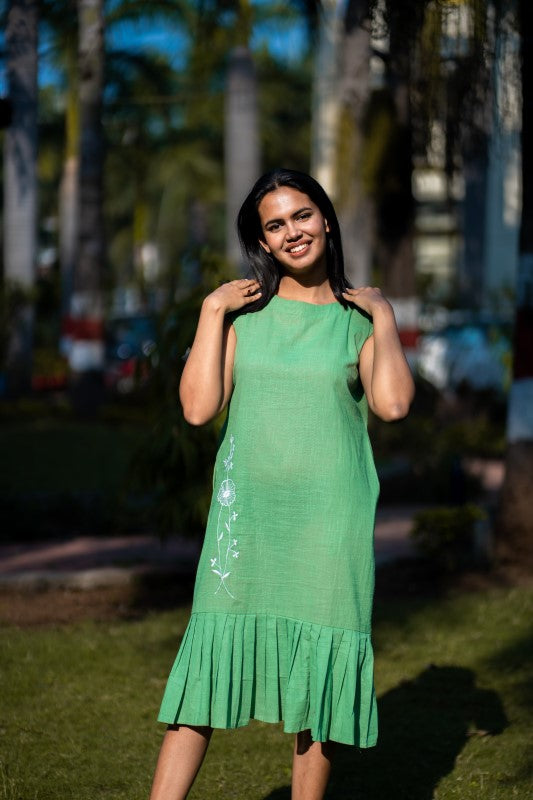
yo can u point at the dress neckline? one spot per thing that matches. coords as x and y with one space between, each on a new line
306 302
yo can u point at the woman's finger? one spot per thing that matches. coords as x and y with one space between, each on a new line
250 298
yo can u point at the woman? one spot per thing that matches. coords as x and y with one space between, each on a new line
280 625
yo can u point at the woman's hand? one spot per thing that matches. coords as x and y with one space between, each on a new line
368 298
233 295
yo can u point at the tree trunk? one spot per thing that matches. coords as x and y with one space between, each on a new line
69 188
354 204
20 189
395 250
515 519
241 143
86 309
327 98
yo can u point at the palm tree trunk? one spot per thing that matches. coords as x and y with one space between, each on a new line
326 98
515 519
355 206
86 309
241 142
68 190
20 187
395 249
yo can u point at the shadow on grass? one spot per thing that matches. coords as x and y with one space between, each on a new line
513 659
161 593
424 725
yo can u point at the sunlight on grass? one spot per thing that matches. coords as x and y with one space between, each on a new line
453 678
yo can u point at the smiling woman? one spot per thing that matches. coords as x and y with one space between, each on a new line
287 217
281 618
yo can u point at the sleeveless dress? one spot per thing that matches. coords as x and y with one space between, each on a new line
281 616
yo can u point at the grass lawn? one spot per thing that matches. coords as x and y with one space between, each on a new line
454 682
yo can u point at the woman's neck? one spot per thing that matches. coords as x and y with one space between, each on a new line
310 291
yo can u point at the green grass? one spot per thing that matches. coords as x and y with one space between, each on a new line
454 681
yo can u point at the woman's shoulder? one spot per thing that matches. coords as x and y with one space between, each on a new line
246 315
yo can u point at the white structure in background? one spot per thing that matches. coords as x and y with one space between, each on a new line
438 240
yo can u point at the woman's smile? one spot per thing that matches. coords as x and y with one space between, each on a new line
299 249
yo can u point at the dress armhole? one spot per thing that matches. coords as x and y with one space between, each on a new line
363 330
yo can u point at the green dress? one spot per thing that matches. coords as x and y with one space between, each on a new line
280 623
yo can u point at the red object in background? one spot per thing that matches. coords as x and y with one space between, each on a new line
409 337
87 329
40 383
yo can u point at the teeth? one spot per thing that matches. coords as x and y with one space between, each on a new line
298 248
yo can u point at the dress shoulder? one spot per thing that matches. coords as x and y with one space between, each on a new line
361 327
238 318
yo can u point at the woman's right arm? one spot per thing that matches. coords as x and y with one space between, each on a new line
207 379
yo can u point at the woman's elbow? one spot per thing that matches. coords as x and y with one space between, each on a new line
392 412
195 416
195 419
198 414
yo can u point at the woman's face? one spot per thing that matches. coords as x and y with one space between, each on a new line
294 230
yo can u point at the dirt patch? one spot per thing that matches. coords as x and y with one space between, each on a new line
60 606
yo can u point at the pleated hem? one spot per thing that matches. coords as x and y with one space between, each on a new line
232 668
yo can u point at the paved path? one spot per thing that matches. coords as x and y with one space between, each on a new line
91 562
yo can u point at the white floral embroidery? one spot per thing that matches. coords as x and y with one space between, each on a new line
226 543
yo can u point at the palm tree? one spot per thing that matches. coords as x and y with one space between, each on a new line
515 528
355 204
86 355
20 186
326 96
241 128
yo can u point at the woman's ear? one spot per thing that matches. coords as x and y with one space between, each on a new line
326 225
264 245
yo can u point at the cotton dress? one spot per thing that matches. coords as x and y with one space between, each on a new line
281 616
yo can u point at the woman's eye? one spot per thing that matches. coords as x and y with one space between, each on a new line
304 216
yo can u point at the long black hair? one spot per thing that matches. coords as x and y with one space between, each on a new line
262 265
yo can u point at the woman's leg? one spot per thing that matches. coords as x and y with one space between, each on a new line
180 758
311 766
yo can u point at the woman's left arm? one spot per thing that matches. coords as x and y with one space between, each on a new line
384 371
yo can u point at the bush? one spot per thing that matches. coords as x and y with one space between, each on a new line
174 463
446 535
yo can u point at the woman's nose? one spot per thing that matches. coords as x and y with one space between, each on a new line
293 231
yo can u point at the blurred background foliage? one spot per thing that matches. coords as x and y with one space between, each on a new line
414 115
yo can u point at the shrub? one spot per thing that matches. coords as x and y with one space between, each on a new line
446 534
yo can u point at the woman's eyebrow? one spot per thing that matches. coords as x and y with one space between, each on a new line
294 214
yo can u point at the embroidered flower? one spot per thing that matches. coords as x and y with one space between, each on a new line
226 493
225 542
